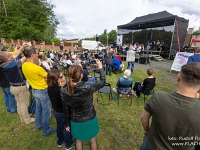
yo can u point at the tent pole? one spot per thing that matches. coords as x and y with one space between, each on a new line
172 39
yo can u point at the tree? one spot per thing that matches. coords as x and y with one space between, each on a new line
28 19
197 32
55 40
112 36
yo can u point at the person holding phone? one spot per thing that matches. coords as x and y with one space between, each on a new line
77 99
55 81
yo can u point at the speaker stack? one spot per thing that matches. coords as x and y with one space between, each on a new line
144 60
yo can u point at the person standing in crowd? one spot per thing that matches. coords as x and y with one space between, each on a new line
175 115
130 58
12 70
195 57
9 99
114 46
80 114
55 80
139 87
36 77
108 61
61 47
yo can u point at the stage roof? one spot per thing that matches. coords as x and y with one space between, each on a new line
159 19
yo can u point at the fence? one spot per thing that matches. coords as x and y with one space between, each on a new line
42 45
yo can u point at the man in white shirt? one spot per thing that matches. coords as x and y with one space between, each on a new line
52 56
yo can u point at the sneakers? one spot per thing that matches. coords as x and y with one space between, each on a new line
30 121
59 146
134 94
71 146
37 129
114 89
53 130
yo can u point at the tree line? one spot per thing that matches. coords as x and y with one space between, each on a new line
27 19
35 20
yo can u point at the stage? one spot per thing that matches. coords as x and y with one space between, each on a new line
152 55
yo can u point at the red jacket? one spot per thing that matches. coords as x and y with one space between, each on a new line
119 57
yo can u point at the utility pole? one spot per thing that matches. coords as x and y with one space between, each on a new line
5 8
107 37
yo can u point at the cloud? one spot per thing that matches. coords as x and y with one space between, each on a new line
86 18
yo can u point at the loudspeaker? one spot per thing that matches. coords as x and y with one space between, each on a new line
148 36
97 38
144 60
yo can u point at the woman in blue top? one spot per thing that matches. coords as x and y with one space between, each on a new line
124 82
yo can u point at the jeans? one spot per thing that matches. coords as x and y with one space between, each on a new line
9 100
145 145
91 80
43 110
62 134
108 68
138 88
131 66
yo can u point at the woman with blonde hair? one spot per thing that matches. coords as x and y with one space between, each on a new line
125 81
44 62
77 99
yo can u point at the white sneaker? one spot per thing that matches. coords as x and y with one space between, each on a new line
114 89
59 146
31 120
73 144
134 94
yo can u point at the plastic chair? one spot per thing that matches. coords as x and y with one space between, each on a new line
148 90
106 90
129 93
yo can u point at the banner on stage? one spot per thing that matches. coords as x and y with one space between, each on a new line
119 39
180 60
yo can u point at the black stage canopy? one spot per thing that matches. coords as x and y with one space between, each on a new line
160 19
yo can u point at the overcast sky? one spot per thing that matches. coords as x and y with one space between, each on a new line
86 18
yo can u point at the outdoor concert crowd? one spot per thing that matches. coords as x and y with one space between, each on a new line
64 81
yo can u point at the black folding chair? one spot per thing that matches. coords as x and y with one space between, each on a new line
106 90
148 90
96 73
120 86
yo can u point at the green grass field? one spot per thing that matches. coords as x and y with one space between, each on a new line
120 127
